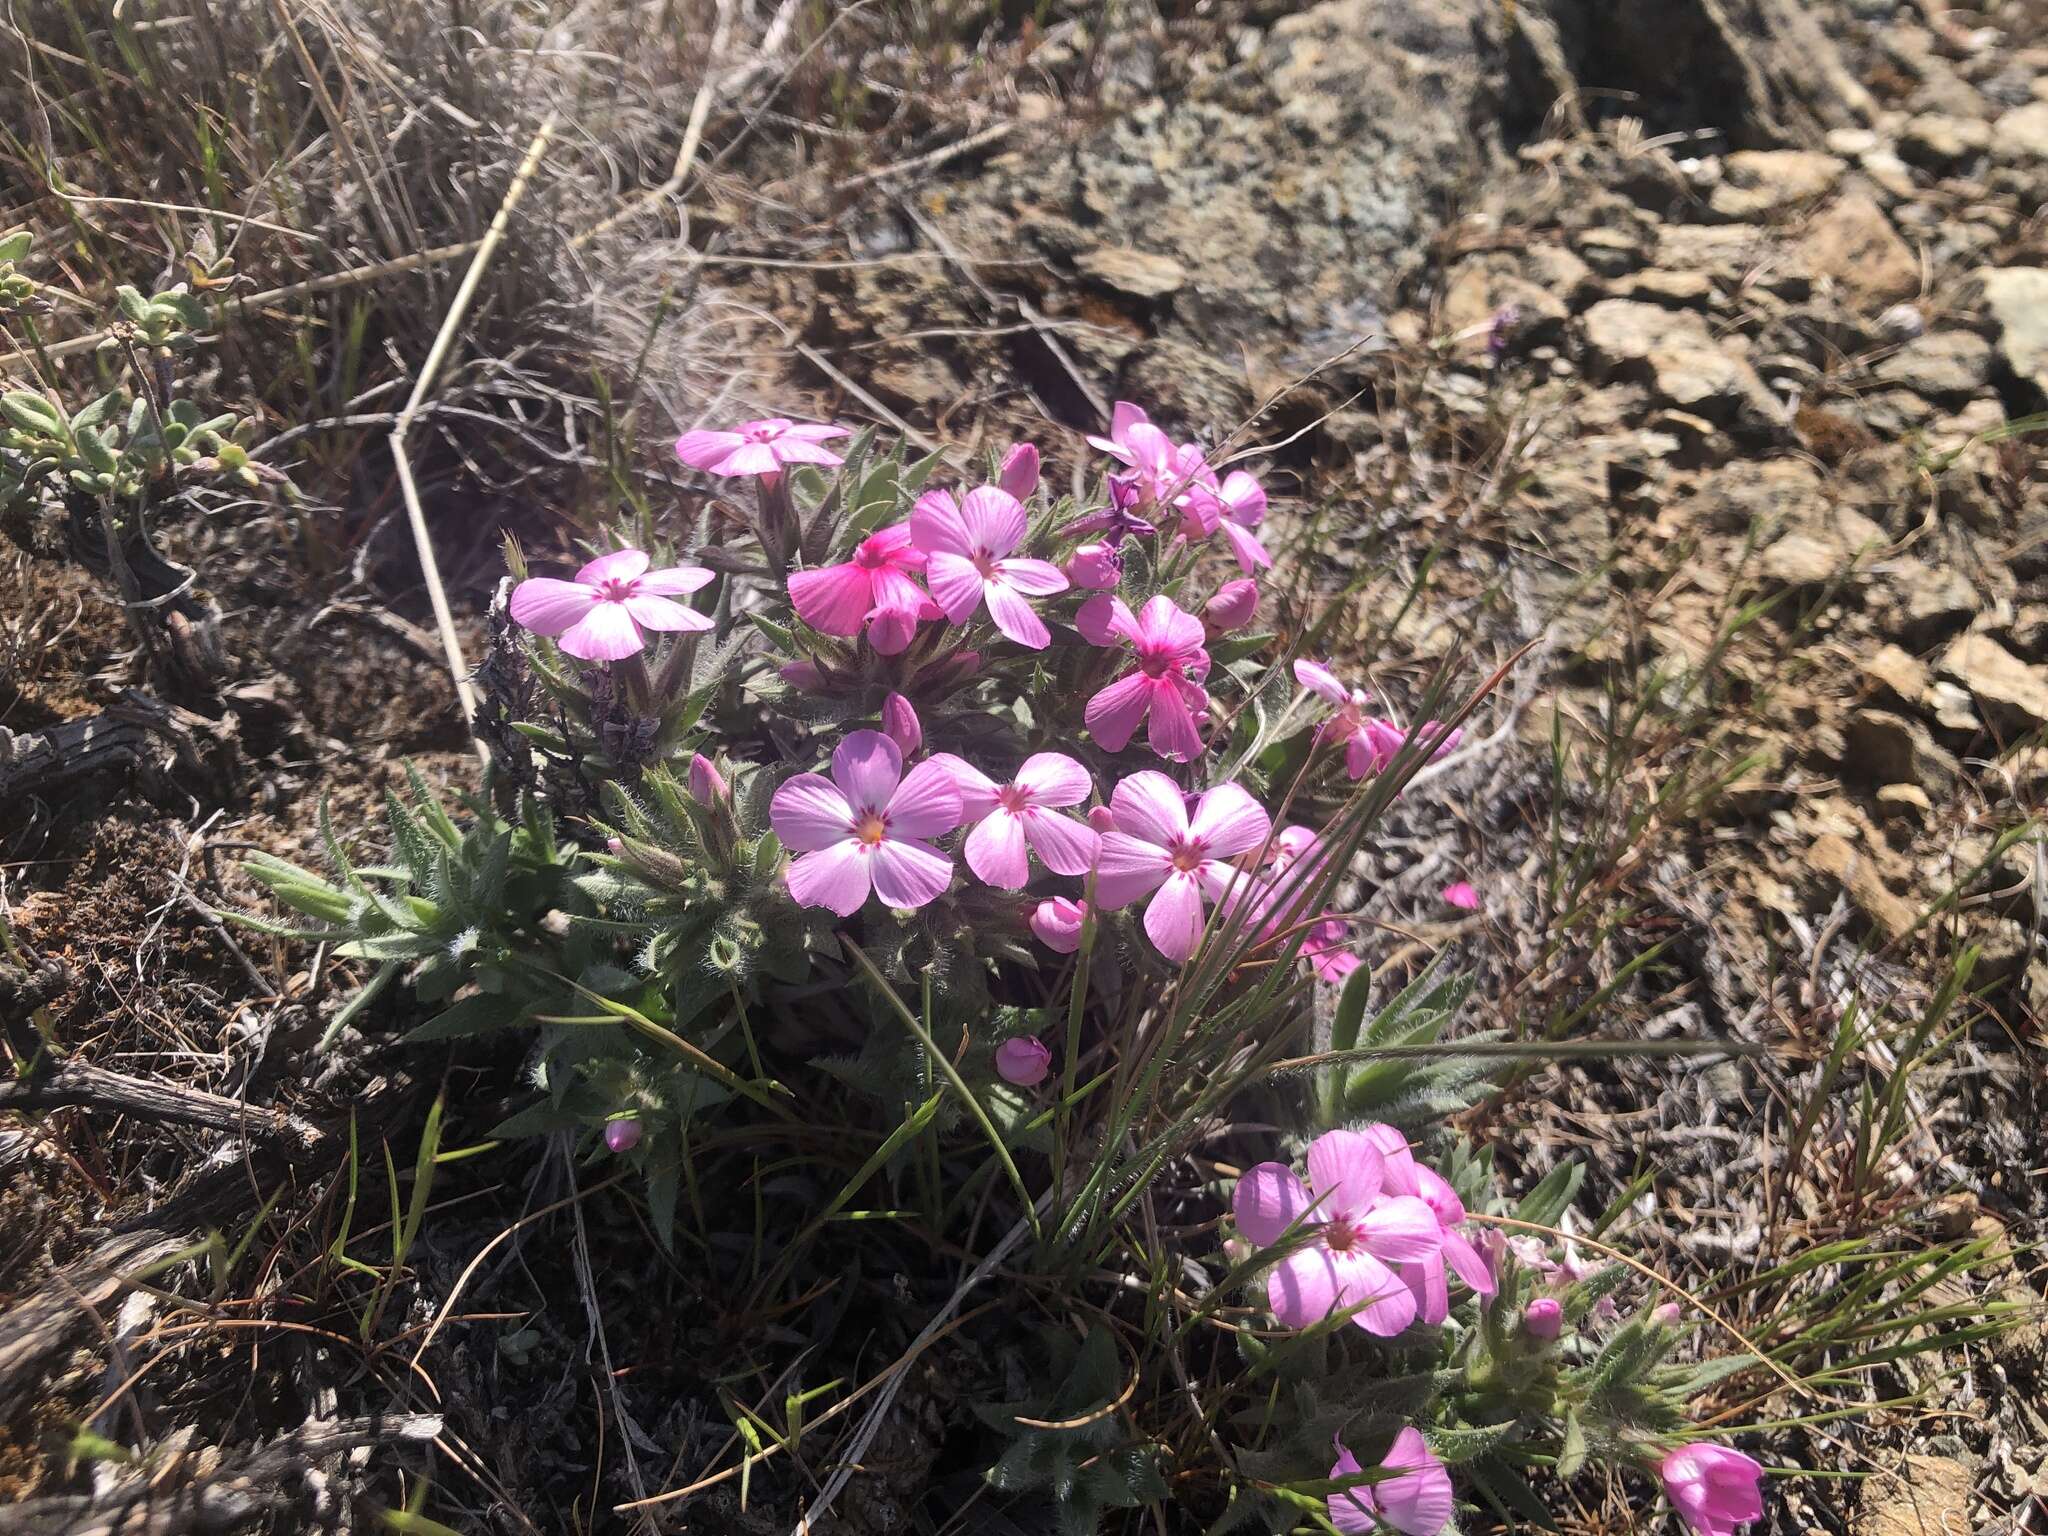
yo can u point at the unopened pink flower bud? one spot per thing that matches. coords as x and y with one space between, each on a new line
613 846
622 1134
1094 567
900 724
1019 475
1544 1318
1235 604
1057 922
707 785
1666 1314
804 676
1023 1061
1102 819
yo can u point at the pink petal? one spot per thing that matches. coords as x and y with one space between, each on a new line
606 633
812 432
703 450
1467 1263
910 874
651 612
1034 578
1105 619
977 790
1267 1201
1398 1172
867 768
891 629
1360 755
619 565
547 605
834 599
926 803
1320 681
750 459
1346 1171
791 449
1243 496
1014 617
995 520
1419 1502
956 585
936 526
1251 554
1425 1281
1173 918
893 588
1172 733
1401 1229
1461 895
1019 473
834 877
1303 1287
1114 713
1166 627
1063 845
1127 869
674 580
1389 1306
1150 806
1228 821
1351 1509
1054 779
1124 417
808 813
995 852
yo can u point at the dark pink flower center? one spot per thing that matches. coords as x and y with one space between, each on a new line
871 556
615 589
985 564
1341 1234
1014 798
1188 854
762 433
871 828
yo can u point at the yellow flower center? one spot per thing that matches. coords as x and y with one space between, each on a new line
870 829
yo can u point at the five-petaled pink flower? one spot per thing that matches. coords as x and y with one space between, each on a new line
1167 684
968 546
1025 811
1426 1276
1370 743
1158 848
1714 1488
1358 1228
1235 506
599 615
867 825
1415 1501
759 447
874 587
1160 470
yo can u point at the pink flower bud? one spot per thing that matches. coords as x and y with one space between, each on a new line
1462 896
1102 819
1714 1488
804 676
1544 1318
1095 567
1019 475
1023 1061
1235 604
614 846
1666 1314
1057 923
623 1133
900 724
707 785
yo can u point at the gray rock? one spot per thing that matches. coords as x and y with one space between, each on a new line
1760 183
2016 299
1942 143
1674 353
2022 133
1947 366
2006 688
1853 245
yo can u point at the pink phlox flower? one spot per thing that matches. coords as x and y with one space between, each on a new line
1057 921
1234 507
875 587
1018 473
1359 1228
1714 1488
1158 850
1326 949
1416 1501
599 615
1023 1060
1295 861
1119 520
1142 448
968 547
1166 686
759 447
867 826
1544 1318
1024 813
1462 895
1426 1276
1370 743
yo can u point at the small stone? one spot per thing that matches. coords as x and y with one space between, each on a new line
1902 322
1676 289
1928 1496
1953 708
1609 252
1948 366
1673 352
2022 134
1943 143
1898 672
2016 299
1797 560
1758 183
2007 689
1834 855
1140 273
1903 802
1853 244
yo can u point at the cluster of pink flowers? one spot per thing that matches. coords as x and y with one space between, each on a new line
1370 743
1162 474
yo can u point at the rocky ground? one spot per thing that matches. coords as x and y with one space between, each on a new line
1701 354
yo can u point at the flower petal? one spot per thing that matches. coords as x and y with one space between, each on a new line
909 873
1127 869
703 450
995 851
1401 1229
1320 680
1014 617
891 629
791 449
619 565
1115 712
867 768
1467 1263
834 599
1054 779
936 526
1251 554
1351 1509
835 877
1173 918
1302 1288
1387 1307
674 580
651 612
749 459
1426 1283
1148 805
1167 628
1034 578
815 432
1399 1174
995 520
955 583
1172 733
1346 1171
1228 821
1419 1502
547 605
926 803
1105 619
1267 1201
808 813
606 633
1065 846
